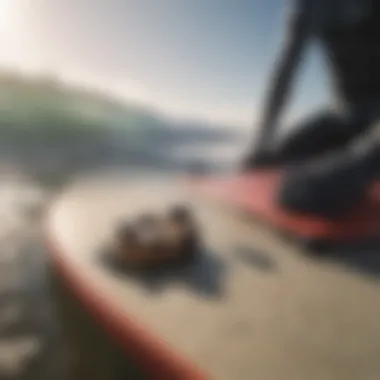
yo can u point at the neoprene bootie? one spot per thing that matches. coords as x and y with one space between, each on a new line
330 187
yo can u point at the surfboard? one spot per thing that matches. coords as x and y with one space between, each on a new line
250 307
256 194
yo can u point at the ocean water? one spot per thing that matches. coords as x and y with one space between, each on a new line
41 327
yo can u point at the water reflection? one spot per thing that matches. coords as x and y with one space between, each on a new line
44 334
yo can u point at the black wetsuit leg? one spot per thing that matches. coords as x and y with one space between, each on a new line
333 184
324 133
313 137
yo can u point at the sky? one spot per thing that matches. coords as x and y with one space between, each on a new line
208 59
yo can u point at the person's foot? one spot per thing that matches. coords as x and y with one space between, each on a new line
328 187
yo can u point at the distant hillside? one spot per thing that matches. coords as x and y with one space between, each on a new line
44 109
36 102
52 121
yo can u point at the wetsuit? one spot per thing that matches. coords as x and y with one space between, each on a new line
349 34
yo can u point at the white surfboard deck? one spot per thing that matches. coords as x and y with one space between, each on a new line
280 315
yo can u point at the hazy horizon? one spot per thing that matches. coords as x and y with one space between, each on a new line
187 59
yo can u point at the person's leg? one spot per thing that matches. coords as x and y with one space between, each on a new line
335 183
325 132
320 134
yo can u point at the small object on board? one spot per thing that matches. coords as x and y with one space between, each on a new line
183 231
154 240
127 246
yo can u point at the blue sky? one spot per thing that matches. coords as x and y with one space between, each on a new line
198 58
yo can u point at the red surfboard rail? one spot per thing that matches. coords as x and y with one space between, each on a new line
156 359
256 194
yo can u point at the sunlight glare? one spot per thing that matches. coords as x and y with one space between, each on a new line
5 13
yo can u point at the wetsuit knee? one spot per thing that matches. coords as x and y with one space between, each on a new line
322 133
329 187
